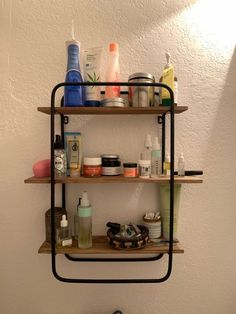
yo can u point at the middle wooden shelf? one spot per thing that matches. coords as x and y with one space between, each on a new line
114 179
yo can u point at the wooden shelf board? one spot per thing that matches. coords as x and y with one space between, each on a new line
106 110
114 179
101 246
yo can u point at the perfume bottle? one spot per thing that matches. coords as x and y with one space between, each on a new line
59 157
64 233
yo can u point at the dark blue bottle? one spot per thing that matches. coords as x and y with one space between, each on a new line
73 95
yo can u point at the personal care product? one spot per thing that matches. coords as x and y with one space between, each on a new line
113 72
92 68
144 168
111 165
156 158
181 165
73 148
166 165
73 95
114 102
85 222
141 96
42 168
146 154
59 157
169 79
130 170
165 209
58 212
92 167
152 220
64 233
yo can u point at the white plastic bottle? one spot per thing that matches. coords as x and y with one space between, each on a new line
85 222
181 165
146 154
113 72
155 158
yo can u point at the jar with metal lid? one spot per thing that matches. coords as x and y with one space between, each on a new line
111 165
141 96
113 102
92 167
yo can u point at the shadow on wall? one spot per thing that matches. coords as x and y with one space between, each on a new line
222 145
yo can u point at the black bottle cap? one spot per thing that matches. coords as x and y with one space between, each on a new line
58 143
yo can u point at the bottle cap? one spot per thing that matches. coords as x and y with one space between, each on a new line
148 141
58 143
85 201
156 145
113 47
64 222
167 159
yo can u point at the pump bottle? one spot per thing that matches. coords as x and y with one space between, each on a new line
73 95
155 159
146 154
113 72
85 222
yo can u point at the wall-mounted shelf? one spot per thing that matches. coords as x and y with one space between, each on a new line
110 111
113 179
101 246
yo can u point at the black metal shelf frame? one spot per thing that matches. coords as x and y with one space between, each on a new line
98 259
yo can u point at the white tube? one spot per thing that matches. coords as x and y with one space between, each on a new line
92 73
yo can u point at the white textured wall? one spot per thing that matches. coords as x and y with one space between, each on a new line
32 61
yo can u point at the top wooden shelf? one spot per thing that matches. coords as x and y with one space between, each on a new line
107 110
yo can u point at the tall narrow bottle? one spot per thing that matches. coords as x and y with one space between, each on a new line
64 233
155 158
113 72
146 154
73 95
181 165
85 222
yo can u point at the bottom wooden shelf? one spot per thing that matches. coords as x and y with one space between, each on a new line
101 246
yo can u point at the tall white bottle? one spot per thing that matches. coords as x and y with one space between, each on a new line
155 159
146 154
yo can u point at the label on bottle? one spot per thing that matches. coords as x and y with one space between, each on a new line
66 242
59 163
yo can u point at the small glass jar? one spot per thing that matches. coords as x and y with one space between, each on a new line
130 170
144 168
92 167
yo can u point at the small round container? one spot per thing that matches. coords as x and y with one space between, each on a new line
111 165
113 102
144 168
130 170
141 96
92 167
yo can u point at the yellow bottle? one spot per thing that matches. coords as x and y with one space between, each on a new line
169 79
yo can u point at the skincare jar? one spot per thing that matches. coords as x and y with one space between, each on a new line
130 170
144 168
92 167
111 165
113 102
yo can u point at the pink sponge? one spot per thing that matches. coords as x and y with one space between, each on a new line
42 168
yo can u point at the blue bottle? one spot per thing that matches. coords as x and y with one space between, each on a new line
73 95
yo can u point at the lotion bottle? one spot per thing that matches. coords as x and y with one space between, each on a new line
113 72
85 222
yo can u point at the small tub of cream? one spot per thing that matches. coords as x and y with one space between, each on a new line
130 170
144 168
111 165
92 167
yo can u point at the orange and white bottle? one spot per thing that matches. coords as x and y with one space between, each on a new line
113 72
